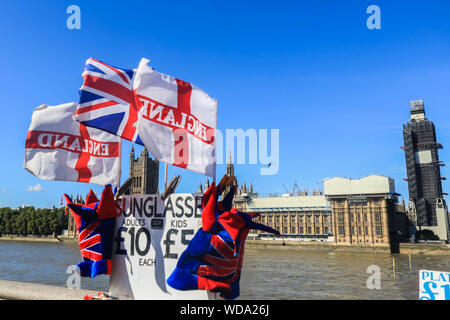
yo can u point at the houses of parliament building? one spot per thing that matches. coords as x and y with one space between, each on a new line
145 172
362 211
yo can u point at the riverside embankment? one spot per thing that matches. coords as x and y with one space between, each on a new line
299 270
35 238
405 248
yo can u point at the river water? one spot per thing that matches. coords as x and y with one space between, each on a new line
267 273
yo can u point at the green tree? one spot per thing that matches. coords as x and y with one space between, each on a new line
32 221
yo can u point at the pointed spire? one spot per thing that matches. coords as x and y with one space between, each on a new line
230 166
206 184
144 154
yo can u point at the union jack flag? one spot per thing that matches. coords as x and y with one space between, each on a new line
95 221
213 259
223 261
107 101
90 242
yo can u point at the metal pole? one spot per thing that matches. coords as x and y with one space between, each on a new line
165 176
393 267
120 164
410 264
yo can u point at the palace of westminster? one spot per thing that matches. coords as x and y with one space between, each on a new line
361 211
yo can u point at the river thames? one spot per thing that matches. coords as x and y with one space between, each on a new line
267 273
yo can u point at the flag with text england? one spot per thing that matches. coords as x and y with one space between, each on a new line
59 148
177 120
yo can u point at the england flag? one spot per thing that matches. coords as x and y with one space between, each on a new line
59 148
177 120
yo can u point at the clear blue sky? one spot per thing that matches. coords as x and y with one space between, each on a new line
337 91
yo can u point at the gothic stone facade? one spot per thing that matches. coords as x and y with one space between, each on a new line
145 171
306 216
365 211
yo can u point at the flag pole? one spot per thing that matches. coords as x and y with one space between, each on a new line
120 164
165 175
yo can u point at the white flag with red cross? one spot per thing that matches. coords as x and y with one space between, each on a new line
60 148
177 120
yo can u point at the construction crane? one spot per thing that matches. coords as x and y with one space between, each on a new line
298 189
292 192
287 191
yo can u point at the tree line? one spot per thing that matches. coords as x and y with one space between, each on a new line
32 221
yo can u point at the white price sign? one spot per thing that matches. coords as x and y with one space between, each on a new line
149 238
434 285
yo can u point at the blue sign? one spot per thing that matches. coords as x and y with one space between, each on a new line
434 285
